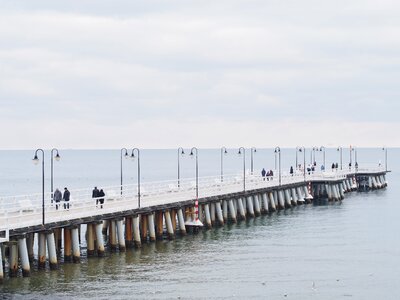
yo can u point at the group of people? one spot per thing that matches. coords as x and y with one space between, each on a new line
58 196
267 174
99 196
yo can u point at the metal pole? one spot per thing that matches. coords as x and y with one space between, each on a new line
244 166
253 149
297 149
197 171
36 159
133 156
278 152
51 180
126 154
386 159
223 151
304 167
180 151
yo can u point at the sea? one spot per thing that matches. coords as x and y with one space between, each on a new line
343 250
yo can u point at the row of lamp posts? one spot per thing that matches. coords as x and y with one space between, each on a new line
194 152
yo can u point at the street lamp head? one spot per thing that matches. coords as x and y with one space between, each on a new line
240 152
191 153
182 152
133 156
35 160
57 157
225 152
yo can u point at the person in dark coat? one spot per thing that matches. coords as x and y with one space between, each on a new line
66 197
57 197
101 200
291 170
337 165
268 175
271 173
95 194
263 173
333 166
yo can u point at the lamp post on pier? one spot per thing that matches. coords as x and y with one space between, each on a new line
57 158
298 149
180 153
126 156
223 152
278 152
252 151
244 166
302 149
351 157
322 149
197 170
385 150
36 161
341 157
138 164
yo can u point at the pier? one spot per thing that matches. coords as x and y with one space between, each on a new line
146 212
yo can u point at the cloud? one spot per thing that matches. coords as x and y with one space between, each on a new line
172 71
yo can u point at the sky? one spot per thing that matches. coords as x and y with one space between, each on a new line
162 74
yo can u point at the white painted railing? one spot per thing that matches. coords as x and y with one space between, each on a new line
22 211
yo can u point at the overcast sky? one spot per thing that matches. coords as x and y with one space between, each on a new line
162 74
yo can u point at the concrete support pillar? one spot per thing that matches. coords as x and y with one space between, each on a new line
281 200
181 222
51 249
1 265
300 197
265 206
208 216
99 239
271 201
42 250
173 218
128 232
143 228
30 239
341 191
168 223
287 198
232 211
105 226
294 196
67 245
220 216
112 235
225 210
24 257
329 191
201 213
242 213
136 231
159 225
76 251
121 235
90 239
13 259
152 231
256 206
212 213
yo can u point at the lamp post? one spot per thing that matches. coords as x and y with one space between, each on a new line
313 155
351 157
322 149
341 157
252 151
57 157
197 170
36 161
302 149
180 152
385 150
244 166
355 159
278 152
223 152
298 149
126 156
138 176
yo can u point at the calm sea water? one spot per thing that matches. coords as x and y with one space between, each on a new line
348 250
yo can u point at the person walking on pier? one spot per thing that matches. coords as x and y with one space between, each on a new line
291 170
66 197
101 200
337 166
95 194
263 173
57 197
333 167
271 173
